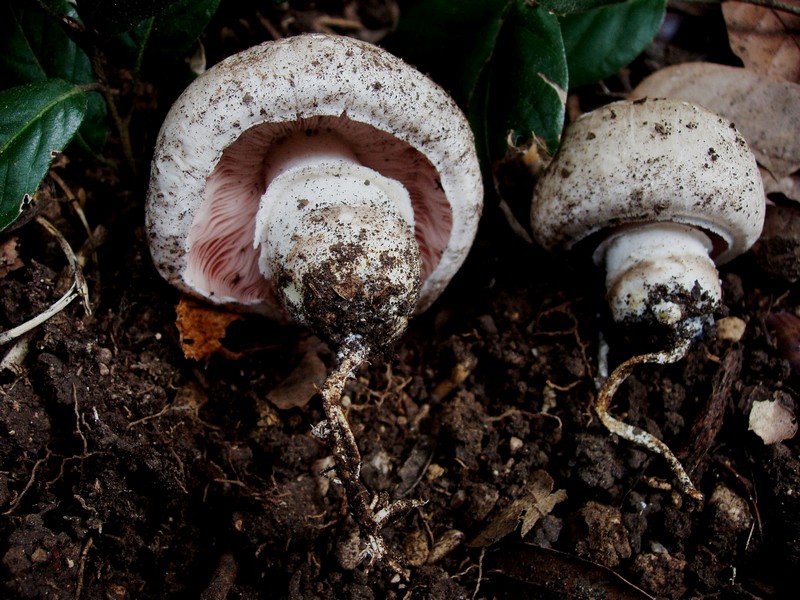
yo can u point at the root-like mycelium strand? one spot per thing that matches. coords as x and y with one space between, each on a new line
371 512
634 434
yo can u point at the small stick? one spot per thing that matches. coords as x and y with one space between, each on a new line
14 358
634 434
223 579
77 272
78 288
33 323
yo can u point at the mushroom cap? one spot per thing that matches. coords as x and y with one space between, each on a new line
651 160
210 165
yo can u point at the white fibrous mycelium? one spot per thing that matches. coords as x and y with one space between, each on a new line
320 180
667 190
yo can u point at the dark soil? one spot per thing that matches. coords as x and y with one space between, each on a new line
130 471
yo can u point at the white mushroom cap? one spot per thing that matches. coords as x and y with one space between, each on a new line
651 160
220 148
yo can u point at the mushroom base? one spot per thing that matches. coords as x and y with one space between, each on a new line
660 275
335 299
337 241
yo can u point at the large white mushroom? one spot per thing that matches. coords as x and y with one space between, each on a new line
322 180
236 149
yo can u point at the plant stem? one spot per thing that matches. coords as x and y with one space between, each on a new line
119 123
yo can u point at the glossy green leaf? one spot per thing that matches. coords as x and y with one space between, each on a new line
450 40
116 16
158 46
174 31
527 81
502 60
602 41
37 121
36 48
566 7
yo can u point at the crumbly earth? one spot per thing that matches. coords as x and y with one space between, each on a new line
130 471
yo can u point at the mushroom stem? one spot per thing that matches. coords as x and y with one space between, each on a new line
662 273
303 149
337 241
634 434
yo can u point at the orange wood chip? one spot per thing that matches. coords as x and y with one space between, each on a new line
202 329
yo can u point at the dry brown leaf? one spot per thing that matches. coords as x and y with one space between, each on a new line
772 421
9 258
765 110
303 382
525 511
767 40
202 327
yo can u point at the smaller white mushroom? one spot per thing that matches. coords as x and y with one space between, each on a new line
660 190
667 189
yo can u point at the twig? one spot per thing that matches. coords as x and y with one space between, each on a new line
120 123
709 421
33 323
94 238
75 266
14 358
223 579
78 288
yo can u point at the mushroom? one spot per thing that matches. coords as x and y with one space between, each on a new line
660 190
321 180
670 188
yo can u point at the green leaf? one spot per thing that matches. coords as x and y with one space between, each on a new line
502 60
602 41
173 32
527 81
36 48
158 45
116 16
566 7
37 121
451 41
